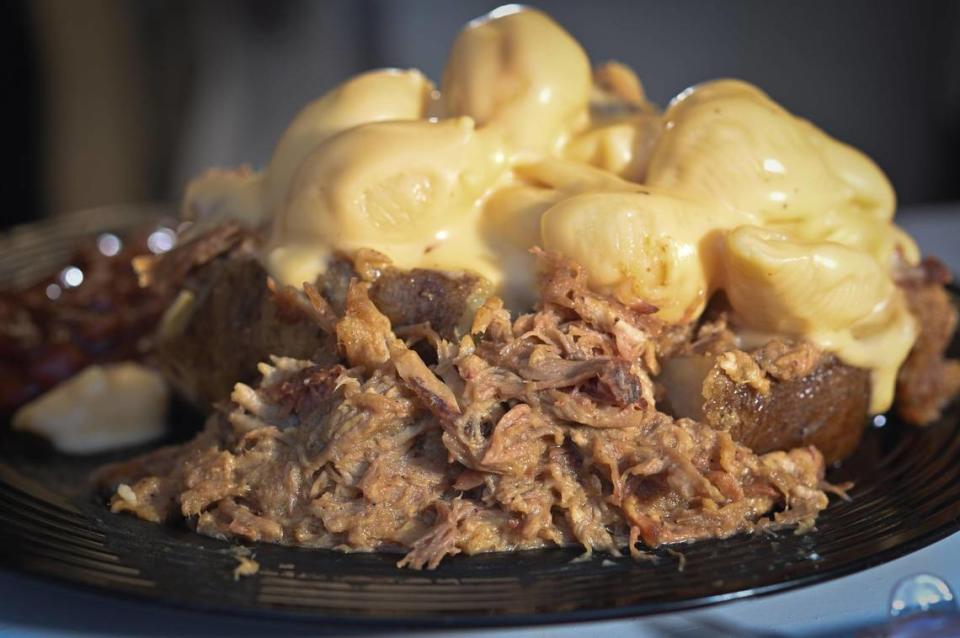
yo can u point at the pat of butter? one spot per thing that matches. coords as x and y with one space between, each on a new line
101 408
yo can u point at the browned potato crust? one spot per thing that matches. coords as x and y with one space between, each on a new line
826 408
226 321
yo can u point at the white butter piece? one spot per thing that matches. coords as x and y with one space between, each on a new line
99 409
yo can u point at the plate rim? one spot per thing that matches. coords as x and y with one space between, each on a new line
427 619
471 620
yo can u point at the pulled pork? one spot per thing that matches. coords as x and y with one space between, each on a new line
539 431
927 380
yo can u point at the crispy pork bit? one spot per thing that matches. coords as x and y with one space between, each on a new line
514 438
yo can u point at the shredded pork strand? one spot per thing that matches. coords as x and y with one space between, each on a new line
928 380
529 432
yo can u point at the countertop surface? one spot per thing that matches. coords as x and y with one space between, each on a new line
29 607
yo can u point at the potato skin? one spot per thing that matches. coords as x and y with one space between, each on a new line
826 408
233 322
447 301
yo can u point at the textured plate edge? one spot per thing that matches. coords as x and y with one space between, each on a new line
264 611
505 620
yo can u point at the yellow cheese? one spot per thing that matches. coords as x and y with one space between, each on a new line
511 218
726 142
653 246
407 189
838 297
622 146
521 147
217 194
518 72
375 96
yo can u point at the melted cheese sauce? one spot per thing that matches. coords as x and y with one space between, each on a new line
523 146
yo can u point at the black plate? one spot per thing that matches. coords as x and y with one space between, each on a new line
907 496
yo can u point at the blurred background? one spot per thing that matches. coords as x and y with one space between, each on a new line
112 101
